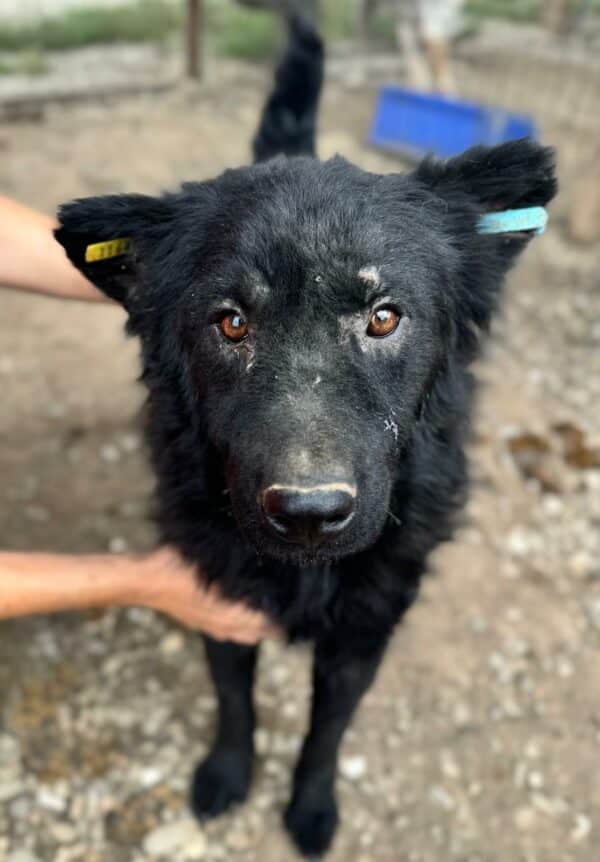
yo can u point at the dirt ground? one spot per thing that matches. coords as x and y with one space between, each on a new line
480 740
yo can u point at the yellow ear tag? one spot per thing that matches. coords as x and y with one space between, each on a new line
106 250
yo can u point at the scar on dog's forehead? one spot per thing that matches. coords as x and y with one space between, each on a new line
371 275
254 290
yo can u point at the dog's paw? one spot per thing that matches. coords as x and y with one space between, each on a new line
312 825
220 782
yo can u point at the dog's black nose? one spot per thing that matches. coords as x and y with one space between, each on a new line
308 515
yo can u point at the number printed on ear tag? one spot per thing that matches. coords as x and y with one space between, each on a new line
105 250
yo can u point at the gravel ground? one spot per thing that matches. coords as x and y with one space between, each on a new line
480 740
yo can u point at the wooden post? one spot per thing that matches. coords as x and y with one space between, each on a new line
366 13
558 15
584 210
194 31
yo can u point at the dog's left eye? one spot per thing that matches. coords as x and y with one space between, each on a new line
383 322
233 326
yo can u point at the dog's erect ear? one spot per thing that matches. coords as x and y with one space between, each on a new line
105 238
514 175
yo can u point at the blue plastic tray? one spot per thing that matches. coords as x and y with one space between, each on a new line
415 123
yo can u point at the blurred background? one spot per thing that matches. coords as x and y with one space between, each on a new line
479 741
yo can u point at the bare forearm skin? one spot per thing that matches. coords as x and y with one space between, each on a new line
36 583
31 259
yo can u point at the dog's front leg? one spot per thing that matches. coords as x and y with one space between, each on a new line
224 777
341 676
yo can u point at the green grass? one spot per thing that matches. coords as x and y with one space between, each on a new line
134 21
510 10
232 30
30 62
516 10
243 33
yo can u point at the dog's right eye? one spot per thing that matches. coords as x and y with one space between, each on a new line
383 322
233 326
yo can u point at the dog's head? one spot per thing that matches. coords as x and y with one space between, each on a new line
304 311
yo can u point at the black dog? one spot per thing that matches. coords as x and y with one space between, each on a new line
307 330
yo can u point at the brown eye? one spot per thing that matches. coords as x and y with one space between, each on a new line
233 326
383 322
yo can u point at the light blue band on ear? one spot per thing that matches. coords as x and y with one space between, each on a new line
510 221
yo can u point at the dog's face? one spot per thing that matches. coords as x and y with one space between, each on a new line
305 311
312 339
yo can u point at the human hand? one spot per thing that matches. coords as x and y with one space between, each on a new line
168 584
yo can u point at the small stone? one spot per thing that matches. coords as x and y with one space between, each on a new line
525 819
479 624
130 442
195 847
535 780
582 828
592 611
564 667
118 545
238 839
581 564
592 480
441 797
511 709
520 774
275 767
37 513
9 748
553 505
449 766
50 800
549 806
55 410
533 750
353 768
519 542
290 710
20 808
514 614
22 856
110 453
141 616
172 643
63 833
10 789
175 837
73 853
462 716
263 801
261 741
7 365
280 674
284 744
150 776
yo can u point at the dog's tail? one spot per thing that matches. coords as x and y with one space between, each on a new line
289 118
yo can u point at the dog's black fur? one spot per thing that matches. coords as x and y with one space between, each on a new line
306 250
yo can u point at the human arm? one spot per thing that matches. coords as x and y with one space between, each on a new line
35 583
31 259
